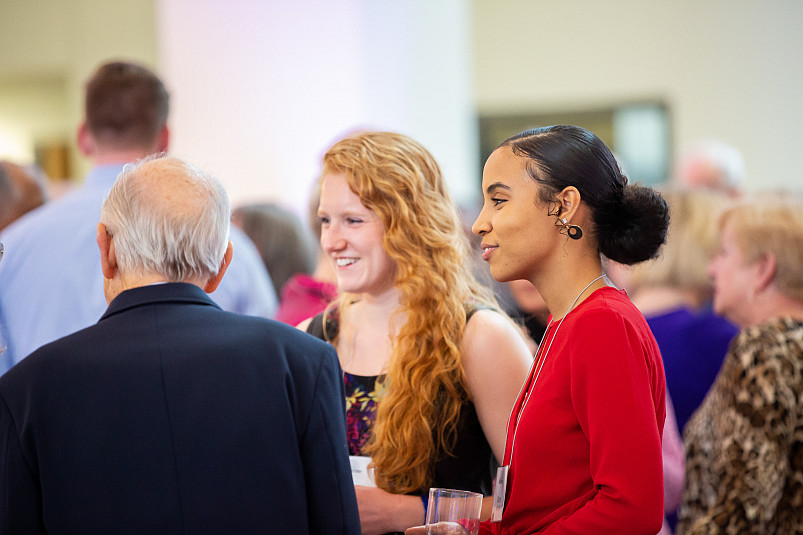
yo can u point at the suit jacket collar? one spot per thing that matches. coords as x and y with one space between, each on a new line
170 292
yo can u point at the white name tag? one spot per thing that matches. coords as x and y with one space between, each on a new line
500 488
360 473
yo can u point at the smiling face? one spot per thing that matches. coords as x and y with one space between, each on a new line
518 237
351 235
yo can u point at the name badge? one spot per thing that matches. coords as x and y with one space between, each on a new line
500 488
360 473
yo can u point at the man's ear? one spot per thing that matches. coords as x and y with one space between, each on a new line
212 283
108 260
84 140
163 140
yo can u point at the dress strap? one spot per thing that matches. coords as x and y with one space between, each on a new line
315 327
326 325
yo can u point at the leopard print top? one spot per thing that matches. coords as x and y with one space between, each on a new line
744 445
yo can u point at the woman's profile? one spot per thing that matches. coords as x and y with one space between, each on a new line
583 448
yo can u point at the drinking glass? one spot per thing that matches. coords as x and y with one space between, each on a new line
453 512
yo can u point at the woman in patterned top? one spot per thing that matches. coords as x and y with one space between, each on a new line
744 445
431 365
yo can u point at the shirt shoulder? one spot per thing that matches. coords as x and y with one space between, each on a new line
605 307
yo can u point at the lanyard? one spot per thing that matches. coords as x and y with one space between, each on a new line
535 373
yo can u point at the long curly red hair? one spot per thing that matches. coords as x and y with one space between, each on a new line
400 181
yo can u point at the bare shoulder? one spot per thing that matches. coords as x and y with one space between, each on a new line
489 327
491 337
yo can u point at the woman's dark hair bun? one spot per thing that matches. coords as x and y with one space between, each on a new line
633 229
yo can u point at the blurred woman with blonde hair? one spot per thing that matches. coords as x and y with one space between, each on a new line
431 365
744 445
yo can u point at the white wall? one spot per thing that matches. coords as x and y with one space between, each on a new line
261 89
729 69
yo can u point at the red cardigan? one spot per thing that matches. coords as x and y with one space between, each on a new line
587 452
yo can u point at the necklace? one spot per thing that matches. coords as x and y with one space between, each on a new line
538 365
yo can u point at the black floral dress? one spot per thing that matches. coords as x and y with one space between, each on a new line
362 394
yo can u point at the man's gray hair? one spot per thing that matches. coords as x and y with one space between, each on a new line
169 218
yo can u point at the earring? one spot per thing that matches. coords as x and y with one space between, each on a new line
573 231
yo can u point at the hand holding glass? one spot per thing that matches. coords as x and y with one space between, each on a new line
453 512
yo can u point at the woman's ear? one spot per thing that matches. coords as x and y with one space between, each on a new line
569 200
766 269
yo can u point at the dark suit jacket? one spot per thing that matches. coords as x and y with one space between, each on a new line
172 416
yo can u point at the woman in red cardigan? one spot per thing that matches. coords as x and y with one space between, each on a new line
583 448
